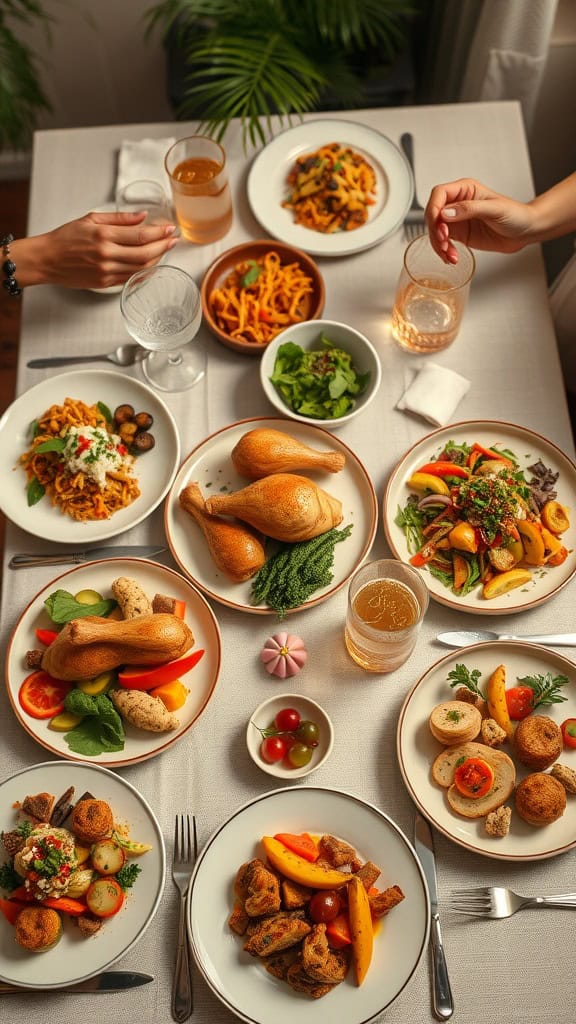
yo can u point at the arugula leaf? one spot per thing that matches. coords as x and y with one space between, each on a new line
546 688
462 676
34 492
63 607
411 519
102 408
320 383
54 444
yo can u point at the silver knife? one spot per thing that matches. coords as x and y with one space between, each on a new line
464 637
110 981
442 1002
26 561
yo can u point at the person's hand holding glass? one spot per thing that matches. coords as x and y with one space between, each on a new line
162 311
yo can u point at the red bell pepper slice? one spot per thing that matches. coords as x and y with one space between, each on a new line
569 732
146 677
479 450
440 468
46 636
302 844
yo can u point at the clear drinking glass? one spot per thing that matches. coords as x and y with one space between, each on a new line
162 311
431 297
200 189
145 194
387 601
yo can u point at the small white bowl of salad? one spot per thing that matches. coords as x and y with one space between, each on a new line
320 372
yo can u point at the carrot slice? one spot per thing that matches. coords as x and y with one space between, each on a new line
302 844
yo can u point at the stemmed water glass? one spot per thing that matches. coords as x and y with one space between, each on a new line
162 311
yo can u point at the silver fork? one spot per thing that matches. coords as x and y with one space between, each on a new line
183 860
414 223
495 902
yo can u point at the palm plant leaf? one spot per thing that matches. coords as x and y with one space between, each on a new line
260 75
357 22
21 95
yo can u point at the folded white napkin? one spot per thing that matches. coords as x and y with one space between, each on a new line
434 393
143 159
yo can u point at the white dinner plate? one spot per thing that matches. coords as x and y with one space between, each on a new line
154 579
267 188
155 469
417 749
210 464
74 958
528 447
239 980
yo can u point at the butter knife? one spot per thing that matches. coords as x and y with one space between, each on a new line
464 637
27 561
442 1002
109 981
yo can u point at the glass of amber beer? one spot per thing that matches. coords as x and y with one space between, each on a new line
198 176
387 601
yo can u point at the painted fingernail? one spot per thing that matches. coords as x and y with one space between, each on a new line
448 211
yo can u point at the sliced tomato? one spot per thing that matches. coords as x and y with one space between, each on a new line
146 677
520 702
569 732
41 696
302 844
474 778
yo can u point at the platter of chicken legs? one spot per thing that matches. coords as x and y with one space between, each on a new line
257 488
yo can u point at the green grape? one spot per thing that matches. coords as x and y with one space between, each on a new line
308 733
299 755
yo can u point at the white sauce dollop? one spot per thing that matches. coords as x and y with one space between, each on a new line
95 452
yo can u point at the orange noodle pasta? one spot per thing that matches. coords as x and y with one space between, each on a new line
331 189
77 461
260 298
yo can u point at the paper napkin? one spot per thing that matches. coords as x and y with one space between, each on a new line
143 159
434 393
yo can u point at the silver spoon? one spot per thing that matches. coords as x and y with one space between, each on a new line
462 638
124 355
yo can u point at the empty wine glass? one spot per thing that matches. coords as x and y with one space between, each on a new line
162 311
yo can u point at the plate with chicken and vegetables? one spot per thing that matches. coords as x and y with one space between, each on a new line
483 509
270 517
334 932
113 662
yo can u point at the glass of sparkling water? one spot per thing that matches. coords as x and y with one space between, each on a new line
431 297
162 311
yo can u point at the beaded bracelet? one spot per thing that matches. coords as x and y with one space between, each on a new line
9 267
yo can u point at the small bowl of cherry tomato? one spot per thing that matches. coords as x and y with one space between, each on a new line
289 736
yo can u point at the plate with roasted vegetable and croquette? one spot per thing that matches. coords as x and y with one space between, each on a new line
113 661
308 902
484 510
269 517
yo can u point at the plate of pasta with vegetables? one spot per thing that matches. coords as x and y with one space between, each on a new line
330 187
82 864
485 510
486 744
113 662
86 455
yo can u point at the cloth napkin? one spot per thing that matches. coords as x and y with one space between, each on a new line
143 159
434 393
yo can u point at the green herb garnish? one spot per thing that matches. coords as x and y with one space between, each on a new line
128 875
9 878
54 444
462 676
289 577
105 411
34 492
321 383
101 728
251 275
63 607
546 688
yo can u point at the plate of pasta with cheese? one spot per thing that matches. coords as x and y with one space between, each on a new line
330 187
86 455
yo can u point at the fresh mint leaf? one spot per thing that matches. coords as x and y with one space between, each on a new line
100 730
34 492
63 607
320 383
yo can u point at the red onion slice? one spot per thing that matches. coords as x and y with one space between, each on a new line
434 499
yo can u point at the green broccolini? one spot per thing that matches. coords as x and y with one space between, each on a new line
291 575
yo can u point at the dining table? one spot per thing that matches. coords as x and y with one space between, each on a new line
519 969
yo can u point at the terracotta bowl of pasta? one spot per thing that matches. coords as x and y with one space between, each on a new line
256 290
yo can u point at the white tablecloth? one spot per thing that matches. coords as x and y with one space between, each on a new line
521 969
